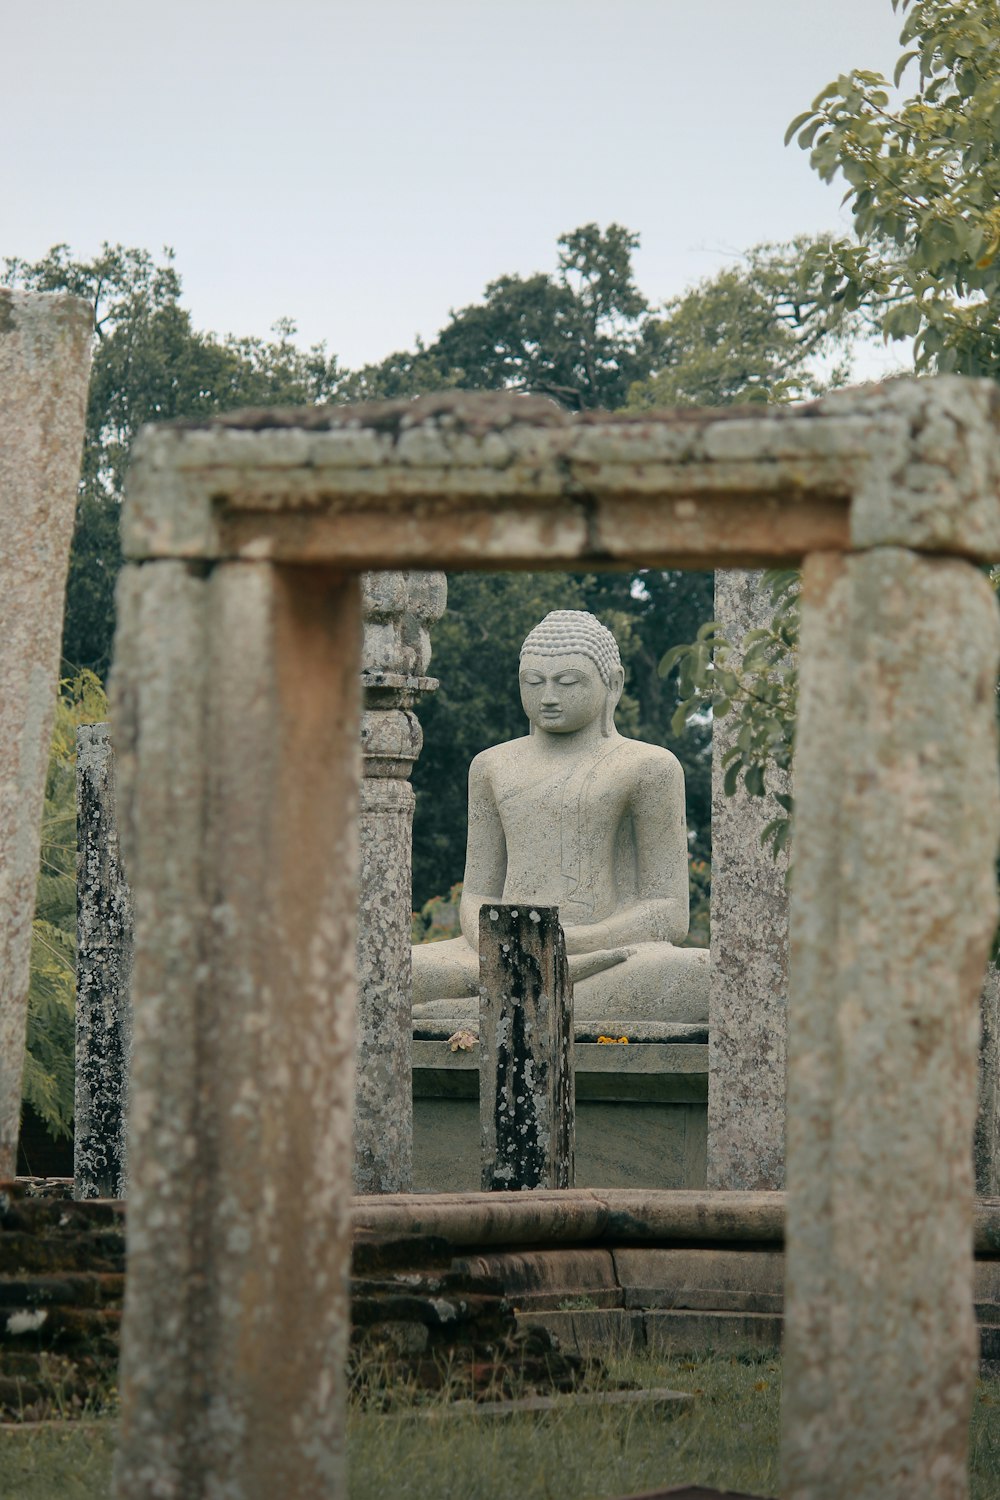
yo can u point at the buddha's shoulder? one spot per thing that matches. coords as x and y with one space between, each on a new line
646 760
499 757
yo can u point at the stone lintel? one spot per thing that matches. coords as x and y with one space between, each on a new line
484 480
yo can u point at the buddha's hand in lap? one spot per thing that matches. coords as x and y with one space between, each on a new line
588 937
584 965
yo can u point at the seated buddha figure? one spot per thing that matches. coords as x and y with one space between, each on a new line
577 816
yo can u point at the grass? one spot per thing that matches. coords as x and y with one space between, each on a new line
728 1438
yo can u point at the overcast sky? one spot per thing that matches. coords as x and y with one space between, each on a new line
363 166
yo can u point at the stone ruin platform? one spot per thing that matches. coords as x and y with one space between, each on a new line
526 1285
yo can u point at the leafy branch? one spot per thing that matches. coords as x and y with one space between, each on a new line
755 681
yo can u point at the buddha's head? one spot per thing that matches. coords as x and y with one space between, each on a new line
571 673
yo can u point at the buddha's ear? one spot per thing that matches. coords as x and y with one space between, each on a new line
611 701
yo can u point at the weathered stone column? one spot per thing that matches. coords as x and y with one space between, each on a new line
527 1102
103 976
44 367
986 1153
749 974
236 725
893 909
398 607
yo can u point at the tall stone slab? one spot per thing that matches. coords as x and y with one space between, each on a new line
44 365
235 698
397 608
986 1151
749 974
893 910
104 923
527 1102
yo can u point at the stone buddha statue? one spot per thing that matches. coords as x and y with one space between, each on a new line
575 815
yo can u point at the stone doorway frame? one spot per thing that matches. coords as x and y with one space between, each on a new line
236 713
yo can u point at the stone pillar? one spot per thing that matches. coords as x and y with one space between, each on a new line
44 366
527 1101
236 724
397 607
893 907
986 1152
103 975
749 973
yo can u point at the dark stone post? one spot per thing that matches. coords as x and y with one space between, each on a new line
526 1082
103 975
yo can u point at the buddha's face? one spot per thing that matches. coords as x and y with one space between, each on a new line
561 694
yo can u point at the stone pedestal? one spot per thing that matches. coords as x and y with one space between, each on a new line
103 976
526 1072
44 366
749 974
397 609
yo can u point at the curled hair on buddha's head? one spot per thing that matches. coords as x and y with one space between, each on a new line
574 632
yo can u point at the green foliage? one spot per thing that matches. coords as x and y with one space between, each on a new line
574 335
48 1072
438 918
756 681
742 335
923 184
700 895
149 365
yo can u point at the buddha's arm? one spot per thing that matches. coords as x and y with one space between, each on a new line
485 853
660 912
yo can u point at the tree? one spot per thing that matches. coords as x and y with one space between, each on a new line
149 365
756 680
924 187
575 336
923 184
744 334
